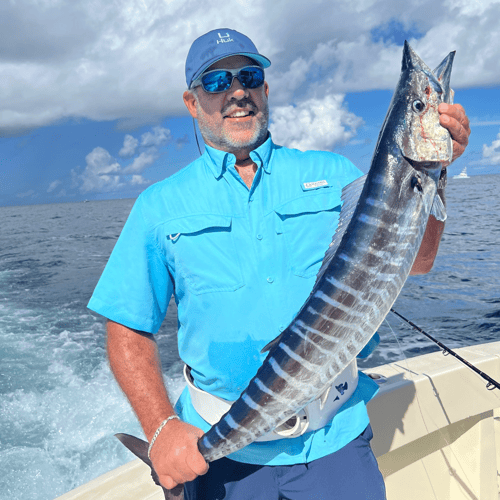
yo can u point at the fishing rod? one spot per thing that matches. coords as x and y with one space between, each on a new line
492 384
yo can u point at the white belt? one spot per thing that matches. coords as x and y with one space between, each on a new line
314 416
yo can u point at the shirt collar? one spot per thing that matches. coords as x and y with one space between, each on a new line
218 160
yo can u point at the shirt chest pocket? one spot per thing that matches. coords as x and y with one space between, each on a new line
205 255
308 225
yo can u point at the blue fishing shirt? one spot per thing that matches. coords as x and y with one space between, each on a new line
240 263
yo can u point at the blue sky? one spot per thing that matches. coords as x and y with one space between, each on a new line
92 97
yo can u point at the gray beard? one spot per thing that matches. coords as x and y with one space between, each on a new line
225 143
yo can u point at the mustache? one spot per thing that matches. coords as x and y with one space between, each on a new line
243 103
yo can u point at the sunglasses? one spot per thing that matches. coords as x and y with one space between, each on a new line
220 80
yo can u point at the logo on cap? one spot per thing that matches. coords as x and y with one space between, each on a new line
224 38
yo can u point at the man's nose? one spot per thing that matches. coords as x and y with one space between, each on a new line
237 91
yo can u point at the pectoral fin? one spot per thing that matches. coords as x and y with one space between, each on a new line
271 344
438 209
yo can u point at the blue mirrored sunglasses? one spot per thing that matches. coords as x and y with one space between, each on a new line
220 80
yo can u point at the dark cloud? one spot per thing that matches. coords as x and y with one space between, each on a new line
44 33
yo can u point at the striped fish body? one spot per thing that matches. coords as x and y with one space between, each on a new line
381 227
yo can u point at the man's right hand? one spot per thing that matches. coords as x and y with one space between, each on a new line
175 454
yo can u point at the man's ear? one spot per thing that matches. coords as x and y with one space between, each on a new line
190 102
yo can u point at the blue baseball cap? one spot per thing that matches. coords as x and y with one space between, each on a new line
216 45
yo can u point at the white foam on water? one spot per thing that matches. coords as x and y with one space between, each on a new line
65 436
60 405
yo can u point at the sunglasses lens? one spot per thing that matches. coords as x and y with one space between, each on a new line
251 78
217 81
220 81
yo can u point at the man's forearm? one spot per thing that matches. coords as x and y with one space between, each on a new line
135 363
432 236
429 247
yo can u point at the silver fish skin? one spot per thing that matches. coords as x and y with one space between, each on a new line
371 255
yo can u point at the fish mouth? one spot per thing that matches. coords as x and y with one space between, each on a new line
423 165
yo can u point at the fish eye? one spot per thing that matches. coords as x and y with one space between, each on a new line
418 106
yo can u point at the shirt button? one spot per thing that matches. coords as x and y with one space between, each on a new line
259 236
270 279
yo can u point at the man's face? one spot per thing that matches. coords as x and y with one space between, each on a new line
234 120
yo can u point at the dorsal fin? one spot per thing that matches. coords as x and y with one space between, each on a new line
273 342
350 198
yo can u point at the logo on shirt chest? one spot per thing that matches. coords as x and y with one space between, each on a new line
315 184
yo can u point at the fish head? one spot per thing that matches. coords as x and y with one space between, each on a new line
422 140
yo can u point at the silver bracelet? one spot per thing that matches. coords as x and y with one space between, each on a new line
158 432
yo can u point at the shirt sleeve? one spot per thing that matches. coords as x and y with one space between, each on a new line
350 171
135 286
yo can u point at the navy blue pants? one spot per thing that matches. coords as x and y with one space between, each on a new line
351 473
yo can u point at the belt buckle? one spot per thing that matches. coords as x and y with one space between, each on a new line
295 426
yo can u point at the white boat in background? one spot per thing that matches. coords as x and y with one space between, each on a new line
462 174
436 433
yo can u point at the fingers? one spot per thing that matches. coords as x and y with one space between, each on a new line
167 482
197 463
193 467
453 118
176 457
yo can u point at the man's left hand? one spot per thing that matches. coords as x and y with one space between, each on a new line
453 118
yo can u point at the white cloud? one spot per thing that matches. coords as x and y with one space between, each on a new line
159 137
101 172
143 161
138 180
491 154
53 185
28 194
129 145
125 60
99 162
317 124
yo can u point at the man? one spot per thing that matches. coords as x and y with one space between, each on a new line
238 236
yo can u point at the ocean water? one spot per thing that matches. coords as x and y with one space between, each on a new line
59 403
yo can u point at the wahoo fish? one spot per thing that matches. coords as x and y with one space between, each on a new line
381 225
